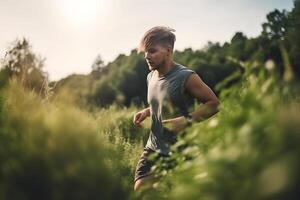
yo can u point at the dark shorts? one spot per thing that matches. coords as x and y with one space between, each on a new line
144 165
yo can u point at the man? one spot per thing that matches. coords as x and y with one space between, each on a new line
171 91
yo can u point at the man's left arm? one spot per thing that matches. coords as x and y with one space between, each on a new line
210 104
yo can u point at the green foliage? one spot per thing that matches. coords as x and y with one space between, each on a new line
21 63
275 28
237 47
104 93
292 40
97 67
53 150
125 83
75 88
62 146
247 151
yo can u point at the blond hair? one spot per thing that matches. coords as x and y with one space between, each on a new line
159 34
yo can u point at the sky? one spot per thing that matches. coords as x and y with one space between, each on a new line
70 34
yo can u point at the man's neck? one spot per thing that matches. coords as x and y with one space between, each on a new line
163 70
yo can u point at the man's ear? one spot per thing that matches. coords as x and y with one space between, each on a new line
169 50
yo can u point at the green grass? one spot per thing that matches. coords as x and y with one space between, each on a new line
51 149
249 150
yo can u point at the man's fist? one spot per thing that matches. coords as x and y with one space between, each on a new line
140 117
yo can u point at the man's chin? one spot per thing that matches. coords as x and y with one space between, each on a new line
151 68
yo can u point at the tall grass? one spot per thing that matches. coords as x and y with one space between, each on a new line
249 150
54 150
51 149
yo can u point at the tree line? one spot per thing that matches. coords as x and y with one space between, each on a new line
123 81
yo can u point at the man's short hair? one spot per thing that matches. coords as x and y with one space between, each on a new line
158 35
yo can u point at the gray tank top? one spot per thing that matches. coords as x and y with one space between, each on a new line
167 99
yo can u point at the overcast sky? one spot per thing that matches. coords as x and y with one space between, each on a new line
71 33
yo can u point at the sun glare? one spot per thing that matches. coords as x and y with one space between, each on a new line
83 12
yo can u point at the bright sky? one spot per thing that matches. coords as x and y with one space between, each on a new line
71 33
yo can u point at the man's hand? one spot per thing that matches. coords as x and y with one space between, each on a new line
141 116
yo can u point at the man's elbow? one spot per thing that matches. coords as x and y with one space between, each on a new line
215 106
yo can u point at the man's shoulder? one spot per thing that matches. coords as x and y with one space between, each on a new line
183 70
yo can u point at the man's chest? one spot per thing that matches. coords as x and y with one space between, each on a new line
161 92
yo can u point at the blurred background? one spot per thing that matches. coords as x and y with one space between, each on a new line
71 80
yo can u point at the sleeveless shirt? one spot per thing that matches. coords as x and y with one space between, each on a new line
167 99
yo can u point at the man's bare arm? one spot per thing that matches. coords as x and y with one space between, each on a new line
199 90
140 116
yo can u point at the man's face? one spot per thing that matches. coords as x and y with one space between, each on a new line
156 56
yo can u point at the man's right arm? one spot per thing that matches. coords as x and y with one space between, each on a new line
140 116
147 111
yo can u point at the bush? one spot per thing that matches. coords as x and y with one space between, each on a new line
56 151
249 150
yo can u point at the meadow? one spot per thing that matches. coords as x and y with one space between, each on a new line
74 138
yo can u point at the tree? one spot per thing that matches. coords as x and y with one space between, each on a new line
97 67
104 94
273 36
293 39
237 46
276 26
21 63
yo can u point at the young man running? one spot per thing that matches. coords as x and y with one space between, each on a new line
172 89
